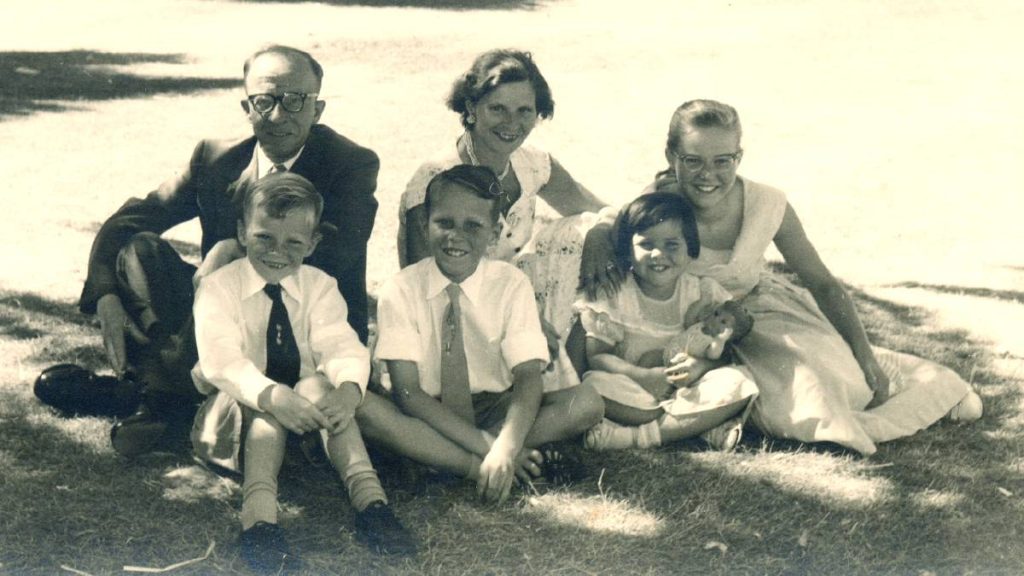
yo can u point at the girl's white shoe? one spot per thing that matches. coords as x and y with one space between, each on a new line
967 410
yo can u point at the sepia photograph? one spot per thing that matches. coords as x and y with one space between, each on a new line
575 287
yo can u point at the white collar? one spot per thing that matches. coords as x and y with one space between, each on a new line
252 282
471 287
265 164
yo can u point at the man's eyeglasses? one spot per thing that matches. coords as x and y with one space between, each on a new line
291 102
722 163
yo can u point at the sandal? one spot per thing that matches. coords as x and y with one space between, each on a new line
967 410
562 464
725 436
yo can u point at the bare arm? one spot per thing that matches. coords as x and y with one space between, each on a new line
600 357
567 196
599 273
406 391
833 300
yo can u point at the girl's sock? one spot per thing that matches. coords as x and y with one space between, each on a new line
649 434
608 435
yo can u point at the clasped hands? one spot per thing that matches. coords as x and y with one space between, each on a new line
333 412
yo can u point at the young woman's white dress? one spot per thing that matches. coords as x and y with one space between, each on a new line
811 387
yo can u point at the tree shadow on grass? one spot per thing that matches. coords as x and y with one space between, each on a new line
51 81
27 313
1009 295
434 4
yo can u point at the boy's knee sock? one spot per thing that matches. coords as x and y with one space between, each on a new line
347 450
259 502
364 489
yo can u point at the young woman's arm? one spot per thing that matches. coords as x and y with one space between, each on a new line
567 196
835 303
411 399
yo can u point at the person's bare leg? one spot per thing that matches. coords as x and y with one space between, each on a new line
678 427
564 414
382 422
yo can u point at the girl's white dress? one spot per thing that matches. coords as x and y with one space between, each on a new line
636 325
549 254
811 387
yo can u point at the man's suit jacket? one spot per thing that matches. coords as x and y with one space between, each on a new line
210 188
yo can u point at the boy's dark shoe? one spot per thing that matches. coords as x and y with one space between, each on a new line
265 550
138 434
379 530
75 391
162 422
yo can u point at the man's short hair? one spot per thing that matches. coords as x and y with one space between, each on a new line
287 52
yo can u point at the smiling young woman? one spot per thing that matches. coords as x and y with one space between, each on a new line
820 378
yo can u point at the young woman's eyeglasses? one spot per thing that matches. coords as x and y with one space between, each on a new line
722 163
291 102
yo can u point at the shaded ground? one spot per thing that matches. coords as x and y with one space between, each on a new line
775 507
52 81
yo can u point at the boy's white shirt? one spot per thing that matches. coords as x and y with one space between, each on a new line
501 326
231 314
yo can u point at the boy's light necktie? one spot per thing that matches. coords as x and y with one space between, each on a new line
455 392
283 359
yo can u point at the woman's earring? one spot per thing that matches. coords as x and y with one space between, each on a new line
470 118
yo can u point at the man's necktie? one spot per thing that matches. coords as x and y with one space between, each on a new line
454 371
278 168
282 351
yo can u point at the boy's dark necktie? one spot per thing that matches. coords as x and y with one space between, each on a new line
454 370
282 351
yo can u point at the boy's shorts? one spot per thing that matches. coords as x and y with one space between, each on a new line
217 431
490 409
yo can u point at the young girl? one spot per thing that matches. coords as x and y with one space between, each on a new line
649 405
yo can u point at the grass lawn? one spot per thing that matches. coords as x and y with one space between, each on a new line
867 114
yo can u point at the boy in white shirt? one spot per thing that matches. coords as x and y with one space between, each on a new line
485 419
276 355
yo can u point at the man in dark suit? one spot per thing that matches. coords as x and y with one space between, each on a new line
142 290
